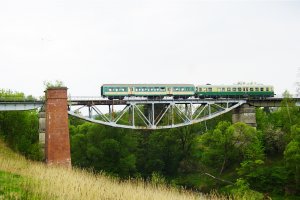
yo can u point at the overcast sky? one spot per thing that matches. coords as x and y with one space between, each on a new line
86 43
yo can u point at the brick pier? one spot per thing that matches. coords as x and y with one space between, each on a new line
57 142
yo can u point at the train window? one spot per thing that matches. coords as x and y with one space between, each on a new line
209 89
109 89
239 89
261 89
256 89
251 89
233 89
244 89
267 89
117 89
182 89
223 89
200 89
228 89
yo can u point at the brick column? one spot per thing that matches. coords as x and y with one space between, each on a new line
57 148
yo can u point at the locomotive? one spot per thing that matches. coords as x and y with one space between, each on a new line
184 91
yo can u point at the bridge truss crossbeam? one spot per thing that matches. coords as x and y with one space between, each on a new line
157 114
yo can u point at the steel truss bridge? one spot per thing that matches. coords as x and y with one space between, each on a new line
143 113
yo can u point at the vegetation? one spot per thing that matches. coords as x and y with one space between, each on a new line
234 159
20 129
11 187
57 83
37 181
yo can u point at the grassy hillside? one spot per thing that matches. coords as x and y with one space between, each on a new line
23 179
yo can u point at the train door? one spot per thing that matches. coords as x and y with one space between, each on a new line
131 91
169 91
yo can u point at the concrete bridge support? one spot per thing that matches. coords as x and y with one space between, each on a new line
42 131
246 114
57 142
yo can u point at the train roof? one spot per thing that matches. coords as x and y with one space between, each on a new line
236 85
148 85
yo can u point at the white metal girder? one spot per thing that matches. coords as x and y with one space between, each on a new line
20 106
204 110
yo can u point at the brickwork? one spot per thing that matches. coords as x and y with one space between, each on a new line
57 142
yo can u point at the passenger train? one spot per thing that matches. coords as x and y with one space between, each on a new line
184 91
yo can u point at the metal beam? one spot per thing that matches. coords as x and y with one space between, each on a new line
20 106
153 122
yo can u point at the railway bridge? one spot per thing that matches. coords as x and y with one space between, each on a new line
133 113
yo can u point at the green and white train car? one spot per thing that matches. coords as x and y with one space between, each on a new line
234 91
119 91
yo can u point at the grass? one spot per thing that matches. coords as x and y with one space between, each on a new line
25 179
11 186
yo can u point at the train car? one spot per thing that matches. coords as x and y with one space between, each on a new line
234 91
155 91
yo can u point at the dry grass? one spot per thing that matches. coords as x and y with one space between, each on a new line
60 183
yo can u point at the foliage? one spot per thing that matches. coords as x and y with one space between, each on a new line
108 149
157 179
57 83
292 157
59 183
228 144
262 177
20 130
241 190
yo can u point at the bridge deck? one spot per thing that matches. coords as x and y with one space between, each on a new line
269 102
20 104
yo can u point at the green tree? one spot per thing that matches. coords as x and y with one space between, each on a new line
20 128
217 147
230 144
102 148
292 156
